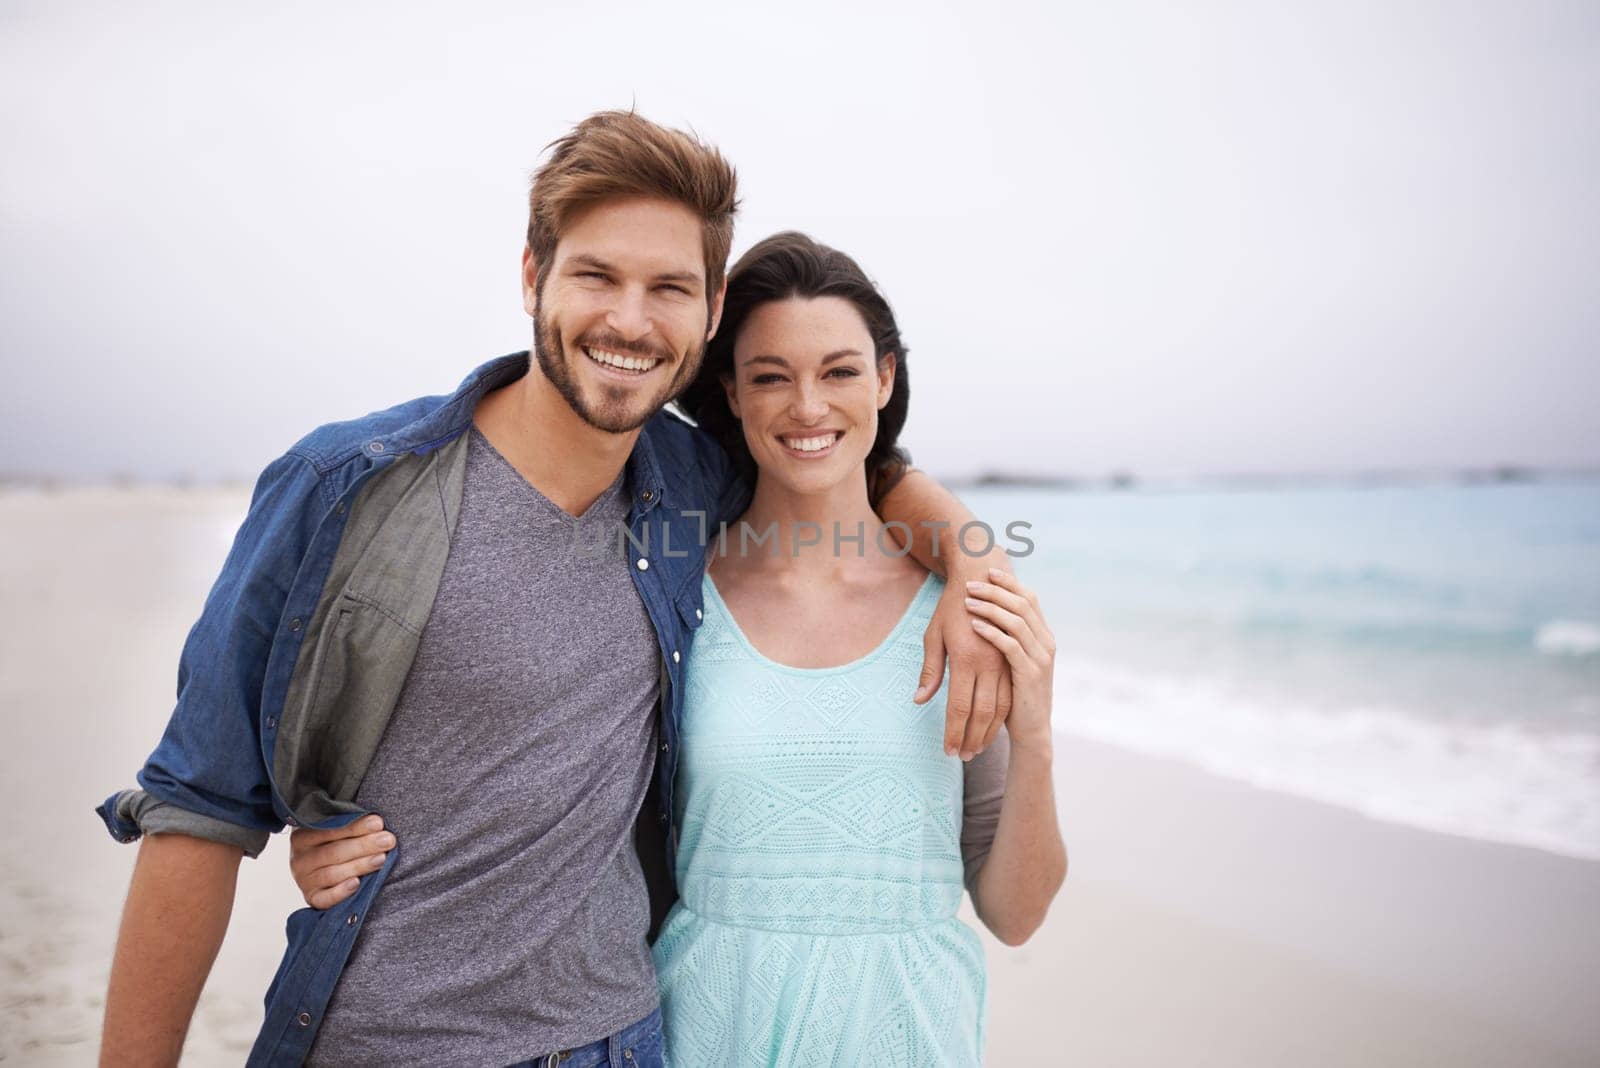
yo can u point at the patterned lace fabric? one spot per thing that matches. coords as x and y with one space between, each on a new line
819 863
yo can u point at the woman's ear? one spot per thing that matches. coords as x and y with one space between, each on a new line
885 378
733 394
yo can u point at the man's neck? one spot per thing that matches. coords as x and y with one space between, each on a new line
560 455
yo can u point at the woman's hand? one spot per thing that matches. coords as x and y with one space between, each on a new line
327 865
1006 614
1028 861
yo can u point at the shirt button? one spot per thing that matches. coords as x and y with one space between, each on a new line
351 920
697 614
663 817
272 721
648 495
304 1019
644 565
665 747
675 657
340 508
375 447
296 623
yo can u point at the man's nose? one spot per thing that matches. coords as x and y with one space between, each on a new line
628 315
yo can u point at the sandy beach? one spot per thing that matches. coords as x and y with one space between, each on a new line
1204 922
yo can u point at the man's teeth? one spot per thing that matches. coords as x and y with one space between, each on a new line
627 363
816 444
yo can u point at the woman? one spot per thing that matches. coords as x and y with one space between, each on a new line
825 837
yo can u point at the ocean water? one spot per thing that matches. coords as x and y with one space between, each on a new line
1428 655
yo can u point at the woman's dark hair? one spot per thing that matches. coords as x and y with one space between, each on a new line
782 267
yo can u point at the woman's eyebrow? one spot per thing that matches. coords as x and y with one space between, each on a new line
781 362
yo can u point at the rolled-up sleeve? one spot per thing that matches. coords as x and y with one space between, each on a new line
207 777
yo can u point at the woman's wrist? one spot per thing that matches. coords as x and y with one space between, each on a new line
1033 742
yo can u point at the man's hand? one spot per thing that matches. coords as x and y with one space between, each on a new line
979 698
328 865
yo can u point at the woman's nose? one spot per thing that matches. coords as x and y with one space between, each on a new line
808 405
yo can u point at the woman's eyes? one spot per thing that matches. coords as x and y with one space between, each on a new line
769 379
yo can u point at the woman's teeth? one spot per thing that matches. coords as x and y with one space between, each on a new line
816 444
623 363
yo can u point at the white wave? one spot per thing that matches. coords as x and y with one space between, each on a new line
1502 782
1568 637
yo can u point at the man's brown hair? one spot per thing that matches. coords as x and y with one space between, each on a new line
621 154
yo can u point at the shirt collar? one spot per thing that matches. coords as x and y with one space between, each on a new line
452 418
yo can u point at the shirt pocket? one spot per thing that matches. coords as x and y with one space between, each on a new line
362 659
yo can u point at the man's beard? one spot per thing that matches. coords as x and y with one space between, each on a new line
611 415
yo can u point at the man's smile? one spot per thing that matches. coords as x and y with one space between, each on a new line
622 364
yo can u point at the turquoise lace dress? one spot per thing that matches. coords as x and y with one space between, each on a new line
819 863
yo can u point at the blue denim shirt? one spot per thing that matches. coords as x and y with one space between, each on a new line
218 772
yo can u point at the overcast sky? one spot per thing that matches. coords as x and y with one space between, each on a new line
1186 238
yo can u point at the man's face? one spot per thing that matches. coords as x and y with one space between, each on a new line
621 322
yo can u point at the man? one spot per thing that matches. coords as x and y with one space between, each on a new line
403 626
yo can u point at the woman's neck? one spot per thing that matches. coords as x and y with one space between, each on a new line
807 525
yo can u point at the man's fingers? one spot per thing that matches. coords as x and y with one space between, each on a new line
305 839
957 709
932 664
326 899
1002 709
325 879
343 851
985 698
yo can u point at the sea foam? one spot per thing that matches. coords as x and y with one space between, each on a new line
1568 637
1497 782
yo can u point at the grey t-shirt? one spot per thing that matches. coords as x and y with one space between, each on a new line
512 772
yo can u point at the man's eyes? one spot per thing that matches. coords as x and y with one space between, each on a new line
670 287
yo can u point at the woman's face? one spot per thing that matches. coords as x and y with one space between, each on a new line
807 390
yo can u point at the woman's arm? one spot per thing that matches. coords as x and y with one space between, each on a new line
1027 861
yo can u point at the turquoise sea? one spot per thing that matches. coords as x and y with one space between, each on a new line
1424 654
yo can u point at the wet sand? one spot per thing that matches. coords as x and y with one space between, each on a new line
1204 922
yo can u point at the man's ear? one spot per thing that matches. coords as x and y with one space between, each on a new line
715 319
530 281
885 378
733 398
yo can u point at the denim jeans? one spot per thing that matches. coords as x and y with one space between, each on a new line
638 1045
